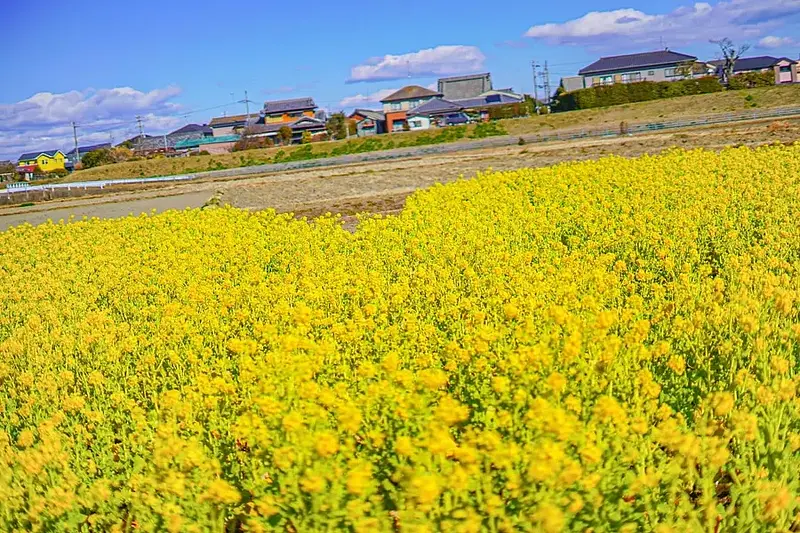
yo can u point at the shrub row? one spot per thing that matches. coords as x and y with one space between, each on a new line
625 93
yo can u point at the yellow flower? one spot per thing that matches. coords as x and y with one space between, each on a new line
326 443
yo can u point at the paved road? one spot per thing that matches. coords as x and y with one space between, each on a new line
105 210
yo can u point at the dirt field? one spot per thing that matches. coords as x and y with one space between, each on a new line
383 187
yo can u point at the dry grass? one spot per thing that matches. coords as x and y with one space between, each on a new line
670 108
673 108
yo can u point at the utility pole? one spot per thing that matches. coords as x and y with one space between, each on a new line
547 86
75 136
247 107
535 87
141 130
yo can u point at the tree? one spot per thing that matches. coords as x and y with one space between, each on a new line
730 55
285 135
97 158
306 137
337 126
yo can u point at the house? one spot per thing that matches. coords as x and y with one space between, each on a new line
368 122
234 124
199 130
286 111
465 86
785 69
298 127
43 161
481 105
436 112
397 105
661 65
74 157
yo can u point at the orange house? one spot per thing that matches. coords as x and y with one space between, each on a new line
397 105
286 111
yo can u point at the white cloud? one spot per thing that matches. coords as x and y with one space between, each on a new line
366 99
440 61
770 41
740 20
44 121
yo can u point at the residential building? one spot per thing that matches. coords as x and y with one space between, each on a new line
465 86
368 122
74 158
286 111
481 105
298 127
198 130
234 124
785 69
661 65
42 161
397 105
436 112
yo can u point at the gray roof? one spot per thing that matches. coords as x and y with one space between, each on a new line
193 128
34 155
87 149
232 120
634 61
300 124
370 114
437 106
286 106
487 101
747 64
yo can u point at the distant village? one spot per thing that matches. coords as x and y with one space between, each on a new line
456 101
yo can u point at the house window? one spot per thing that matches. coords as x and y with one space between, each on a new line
671 72
415 123
606 80
396 106
786 69
651 73
632 77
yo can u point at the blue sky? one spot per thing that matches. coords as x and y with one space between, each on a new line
101 63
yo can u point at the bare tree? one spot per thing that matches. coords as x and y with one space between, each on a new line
730 55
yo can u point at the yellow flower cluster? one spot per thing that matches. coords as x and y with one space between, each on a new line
599 346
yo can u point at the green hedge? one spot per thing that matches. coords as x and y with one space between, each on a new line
626 93
750 80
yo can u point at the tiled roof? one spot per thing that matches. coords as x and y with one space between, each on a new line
757 63
370 114
409 93
86 149
286 106
232 120
634 61
297 125
34 155
437 106
487 101
193 128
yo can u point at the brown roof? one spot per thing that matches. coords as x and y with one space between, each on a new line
231 119
409 93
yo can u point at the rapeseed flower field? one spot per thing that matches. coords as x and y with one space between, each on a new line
601 346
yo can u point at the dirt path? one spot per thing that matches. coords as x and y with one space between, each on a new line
381 187
103 210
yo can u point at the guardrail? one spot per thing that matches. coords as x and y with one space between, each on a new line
397 153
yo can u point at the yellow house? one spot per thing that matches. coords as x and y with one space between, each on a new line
47 161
